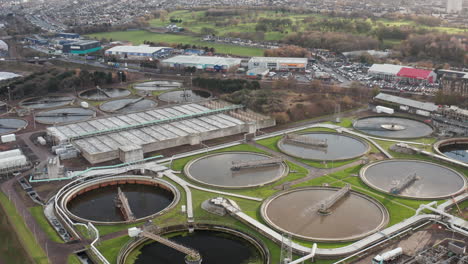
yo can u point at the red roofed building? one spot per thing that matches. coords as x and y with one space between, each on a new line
416 75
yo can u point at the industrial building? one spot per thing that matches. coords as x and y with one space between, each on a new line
406 105
81 47
391 72
278 63
454 82
208 63
128 137
139 52
68 35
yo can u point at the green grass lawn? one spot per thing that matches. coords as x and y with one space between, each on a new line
38 214
138 37
25 235
73 259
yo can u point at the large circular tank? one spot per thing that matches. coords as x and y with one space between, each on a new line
104 94
214 246
295 211
455 148
127 105
95 201
64 115
217 170
46 102
393 127
11 125
158 85
184 96
336 146
413 179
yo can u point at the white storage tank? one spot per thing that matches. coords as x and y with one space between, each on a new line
382 109
84 104
8 138
41 141
388 256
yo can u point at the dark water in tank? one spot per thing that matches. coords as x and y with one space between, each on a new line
413 128
99 205
184 96
214 247
456 151
158 85
64 115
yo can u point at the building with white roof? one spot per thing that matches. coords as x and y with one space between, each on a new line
139 52
278 63
384 71
208 63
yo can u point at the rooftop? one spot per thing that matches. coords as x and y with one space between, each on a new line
136 49
385 68
279 59
414 73
431 107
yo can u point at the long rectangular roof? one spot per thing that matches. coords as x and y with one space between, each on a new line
136 49
414 73
202 60
431 107
390 69
279 60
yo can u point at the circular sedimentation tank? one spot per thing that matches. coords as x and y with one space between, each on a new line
184 96
46 102
413 179
157 86
214 246
64 115
11 125
455 148
128 105
393 127
217 170
104 94
296 212
95 201
335 146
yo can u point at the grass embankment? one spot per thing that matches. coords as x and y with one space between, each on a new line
139 36
73 259
38 213
25 235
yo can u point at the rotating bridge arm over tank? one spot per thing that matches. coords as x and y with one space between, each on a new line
243 164
191 253
301 139
121 202
405 183
326 204
103 92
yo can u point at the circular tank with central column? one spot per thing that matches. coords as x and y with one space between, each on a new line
393 127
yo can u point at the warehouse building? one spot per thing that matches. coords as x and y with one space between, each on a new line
406 105
278 63
128 137
81 47
391 72
139 52
68 35
208 63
